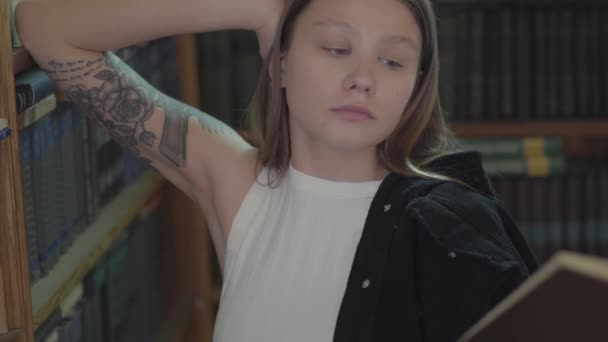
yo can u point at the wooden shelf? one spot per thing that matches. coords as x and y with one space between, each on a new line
90 246
22 60
10 336
582 128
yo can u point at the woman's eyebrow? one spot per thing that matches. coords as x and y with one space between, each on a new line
391 39
399 39
336 24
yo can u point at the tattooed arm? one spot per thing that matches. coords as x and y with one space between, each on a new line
140 117
69 40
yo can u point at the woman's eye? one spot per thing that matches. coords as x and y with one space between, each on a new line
337 51
391 64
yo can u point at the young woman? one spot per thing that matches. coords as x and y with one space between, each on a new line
347 219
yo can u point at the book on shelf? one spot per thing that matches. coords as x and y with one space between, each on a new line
25 154
560 211
531 166
120 298
523 62
31 87
565 300
36 111
71 168
529 147
5 131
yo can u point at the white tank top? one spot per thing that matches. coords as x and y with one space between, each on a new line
288 258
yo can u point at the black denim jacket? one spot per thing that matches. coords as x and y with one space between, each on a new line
433 258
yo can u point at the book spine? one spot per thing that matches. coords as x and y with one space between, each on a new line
581 61
78 146
40 192
602 227
93 183
590 210
538 218
522 72
478 44
25 151
491 61
524 211
31 87
37 111
554 237
534 167
604 57
508 55
5 133
572 208
595 63
540 61
56 204
528 147
552 64
567 39
68 167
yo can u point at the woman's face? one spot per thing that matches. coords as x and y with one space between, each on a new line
349 71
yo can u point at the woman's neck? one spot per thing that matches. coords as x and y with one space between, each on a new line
356 166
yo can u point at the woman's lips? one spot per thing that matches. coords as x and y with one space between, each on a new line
352 112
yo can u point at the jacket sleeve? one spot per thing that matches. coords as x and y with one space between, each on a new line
467 262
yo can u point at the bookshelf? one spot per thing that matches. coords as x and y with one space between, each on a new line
17 325
90 246
578 129
24 305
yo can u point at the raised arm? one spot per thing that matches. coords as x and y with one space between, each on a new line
70 39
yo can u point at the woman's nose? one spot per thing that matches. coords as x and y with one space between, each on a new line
361 79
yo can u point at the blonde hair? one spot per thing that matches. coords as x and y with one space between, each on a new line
420 136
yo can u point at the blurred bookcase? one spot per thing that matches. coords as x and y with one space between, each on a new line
525 82
139 203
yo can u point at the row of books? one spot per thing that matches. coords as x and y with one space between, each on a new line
567 211
70 166
505 60
70 170
533 156
121 298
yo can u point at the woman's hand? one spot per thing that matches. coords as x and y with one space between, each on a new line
267 23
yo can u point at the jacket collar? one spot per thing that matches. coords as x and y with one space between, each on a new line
465 166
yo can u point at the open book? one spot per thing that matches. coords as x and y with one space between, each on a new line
565 300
